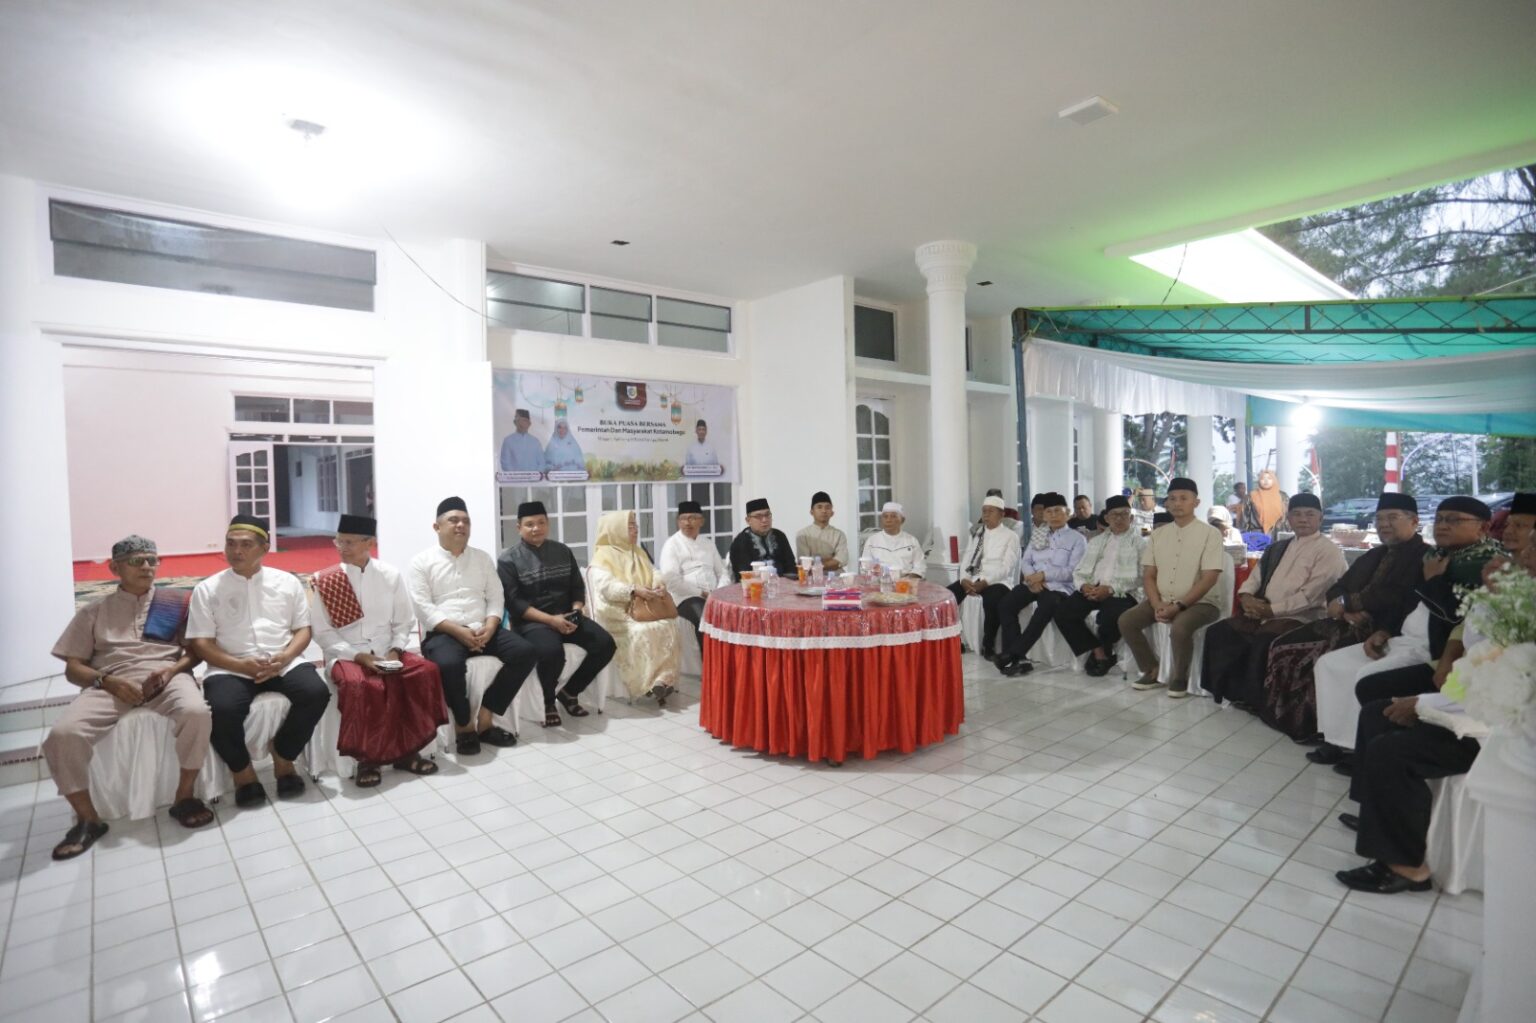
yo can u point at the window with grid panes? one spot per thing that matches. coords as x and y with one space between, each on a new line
872 433
716 502
329 483
639 498
567 509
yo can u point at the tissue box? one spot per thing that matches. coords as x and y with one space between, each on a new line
842 600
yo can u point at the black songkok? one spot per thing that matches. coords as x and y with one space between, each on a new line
1053 500
689 508
757 504
528 508
1523 504
1469 505
1389 501
1117 501
1305 500
521 413
1037 499
1183 483
449 504
1161 519
358 525
820 497
251 524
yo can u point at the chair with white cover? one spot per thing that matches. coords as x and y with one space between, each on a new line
1454 846
692 663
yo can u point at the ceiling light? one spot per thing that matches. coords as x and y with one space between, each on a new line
1089 110
983 284
1306 415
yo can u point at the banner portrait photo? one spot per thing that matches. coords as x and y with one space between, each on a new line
574 428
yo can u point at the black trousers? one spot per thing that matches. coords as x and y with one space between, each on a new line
517 659
693 610
1409 681
1071 618
1236 657
229 698
1391 782
549 648
991 601
1016 644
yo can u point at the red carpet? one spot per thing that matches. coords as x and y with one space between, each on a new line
297 554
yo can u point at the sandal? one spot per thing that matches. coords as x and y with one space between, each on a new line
367 776
289 785
250 794
83 834
415 765
498 736
467 744
551 717
191 813
572 707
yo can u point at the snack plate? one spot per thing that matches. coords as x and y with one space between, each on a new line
892 598
811 591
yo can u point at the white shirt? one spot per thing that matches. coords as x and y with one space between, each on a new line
386 621
464 590
247 617
901 552
691 568
701 453
1108 558
999 556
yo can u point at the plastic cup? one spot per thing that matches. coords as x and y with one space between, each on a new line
755 590
903 586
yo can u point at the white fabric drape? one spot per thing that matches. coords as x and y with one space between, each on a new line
1138 384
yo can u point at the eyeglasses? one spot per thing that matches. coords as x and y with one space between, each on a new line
360 541
1455 520
142 561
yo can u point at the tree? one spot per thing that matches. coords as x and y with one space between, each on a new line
1353 462
1463 238
1150 439
1508 463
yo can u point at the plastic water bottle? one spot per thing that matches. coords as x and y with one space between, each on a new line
885 577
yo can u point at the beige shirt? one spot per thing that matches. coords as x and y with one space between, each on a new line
822 542
109 636
1180 554
1297 585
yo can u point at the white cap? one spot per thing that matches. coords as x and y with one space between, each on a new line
892 506
993 502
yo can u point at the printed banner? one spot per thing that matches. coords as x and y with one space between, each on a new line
573 428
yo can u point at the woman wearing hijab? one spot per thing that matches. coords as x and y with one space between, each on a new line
1265 506
648 655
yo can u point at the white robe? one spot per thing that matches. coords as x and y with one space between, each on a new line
901 552
1335 674
388 616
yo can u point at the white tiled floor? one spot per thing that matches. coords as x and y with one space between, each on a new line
1080 852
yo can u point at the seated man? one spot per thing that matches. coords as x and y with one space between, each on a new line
1046 570
545 594
1037 511
1284 593
1519 525
125 651
820 540
520 450
1145 509
1108 581
991 562
761 542
391 701
1398 755
251 624
1347 679
1376 592
894 547
691 566
1180 568
459 604
1083 518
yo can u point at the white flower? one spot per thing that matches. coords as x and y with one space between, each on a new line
1500 682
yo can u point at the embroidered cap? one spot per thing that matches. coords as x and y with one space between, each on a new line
249 524
131 545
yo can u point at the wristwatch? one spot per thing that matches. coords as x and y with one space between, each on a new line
1182 606
96 682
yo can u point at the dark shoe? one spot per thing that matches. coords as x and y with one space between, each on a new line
290 785
989 655
191 813
1380 879
1098 667
467 744
78 839
1345 767
1148 680
1328 753
1315 739
1178 690
1003 663
250 795
1019 667
1350 821
498 736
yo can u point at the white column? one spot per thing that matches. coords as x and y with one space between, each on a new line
1200 468
1239 451
1290 444
1050 447
1109 454
945 265
1504 780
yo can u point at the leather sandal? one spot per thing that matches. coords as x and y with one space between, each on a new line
415 765
551 717
467 744
368 776
497 736
289 785
191 813
250 794
571 705
83 834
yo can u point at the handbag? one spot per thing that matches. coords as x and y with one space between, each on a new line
652 609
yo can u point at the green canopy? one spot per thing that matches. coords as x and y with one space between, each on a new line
1386 330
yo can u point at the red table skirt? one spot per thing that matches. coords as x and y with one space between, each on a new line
828 703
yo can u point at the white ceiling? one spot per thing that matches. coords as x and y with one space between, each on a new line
746 147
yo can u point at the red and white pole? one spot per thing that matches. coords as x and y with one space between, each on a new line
1393 480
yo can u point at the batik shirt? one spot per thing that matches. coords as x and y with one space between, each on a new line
545 578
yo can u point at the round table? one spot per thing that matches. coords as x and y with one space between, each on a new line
784 676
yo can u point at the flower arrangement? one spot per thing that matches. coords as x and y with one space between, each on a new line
1496 678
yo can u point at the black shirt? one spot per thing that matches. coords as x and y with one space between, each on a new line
775 547
545 578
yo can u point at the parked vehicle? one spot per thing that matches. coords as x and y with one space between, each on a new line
1357 512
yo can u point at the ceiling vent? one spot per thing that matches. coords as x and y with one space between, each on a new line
1088 111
